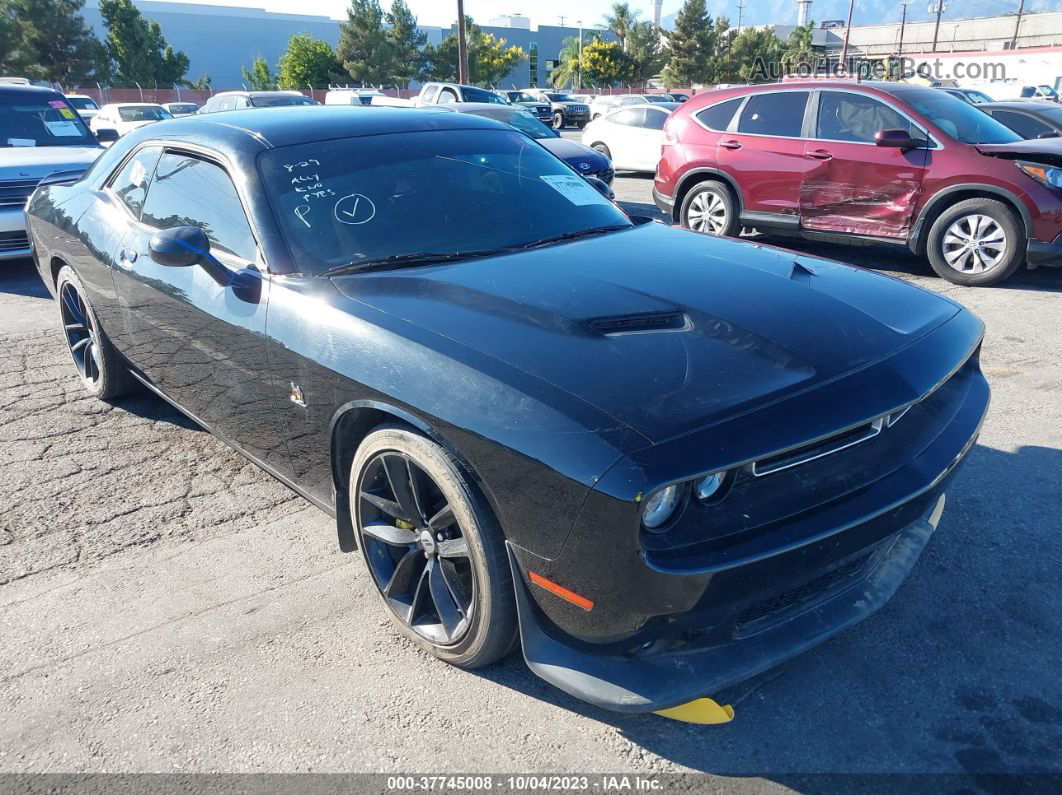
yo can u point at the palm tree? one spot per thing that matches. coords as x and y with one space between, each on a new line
620 22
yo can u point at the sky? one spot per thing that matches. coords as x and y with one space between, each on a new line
442 13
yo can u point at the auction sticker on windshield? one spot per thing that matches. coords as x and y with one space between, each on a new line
574 188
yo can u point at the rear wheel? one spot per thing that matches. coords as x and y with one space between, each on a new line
100 367
603 149
434 551
709 208
977 242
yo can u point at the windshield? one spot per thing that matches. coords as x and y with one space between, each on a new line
657 98
522 120
279 101
177 107
83 103
149 113
448 192
44 121
961 120
978 97
560 98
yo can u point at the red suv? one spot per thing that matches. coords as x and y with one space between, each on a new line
887 162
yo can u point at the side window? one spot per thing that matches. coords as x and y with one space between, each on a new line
131 183
240 102
718 117
654 119
446 96
632 117
227 104
190 191
856 118
1025 126
428 93
778 113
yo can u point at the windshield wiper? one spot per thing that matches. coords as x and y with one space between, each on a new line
593 230
410 260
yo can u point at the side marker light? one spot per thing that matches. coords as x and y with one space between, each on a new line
561 591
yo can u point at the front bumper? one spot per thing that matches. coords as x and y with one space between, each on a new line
14 244
1047 255
793 623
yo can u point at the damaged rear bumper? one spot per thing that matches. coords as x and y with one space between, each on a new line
628 683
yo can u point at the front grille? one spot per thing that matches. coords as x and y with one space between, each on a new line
14 192
13 241
801 594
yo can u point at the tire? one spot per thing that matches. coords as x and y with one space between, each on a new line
580 124
99 366
992 223
603 149
406 572
710 208
558 121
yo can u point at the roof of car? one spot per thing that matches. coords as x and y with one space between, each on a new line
16 89
256 94
1028 107
131 105
253 130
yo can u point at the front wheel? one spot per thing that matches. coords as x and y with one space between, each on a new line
603 149
976 243
433 548
709 208
558 121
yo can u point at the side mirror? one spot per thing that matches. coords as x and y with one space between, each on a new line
899 139
107 135
602 187
1048 134
179 247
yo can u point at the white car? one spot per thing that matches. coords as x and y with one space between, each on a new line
86 106
631 137
352 96
125 117
606 103
181 108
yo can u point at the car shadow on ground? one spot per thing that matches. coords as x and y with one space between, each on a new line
957 674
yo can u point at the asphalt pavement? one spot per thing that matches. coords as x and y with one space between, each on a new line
167 607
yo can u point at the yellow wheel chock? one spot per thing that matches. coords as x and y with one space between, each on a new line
701 710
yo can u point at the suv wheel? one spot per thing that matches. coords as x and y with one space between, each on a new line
709 208
558 121
977 242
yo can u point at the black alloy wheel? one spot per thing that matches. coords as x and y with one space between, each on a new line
80 334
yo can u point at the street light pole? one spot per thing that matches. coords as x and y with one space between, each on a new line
847 30
1017 24
462 46
903 22
579 72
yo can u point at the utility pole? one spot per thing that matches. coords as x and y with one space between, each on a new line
740 7
1017 24
847 30
579 73
939 6
903 22
462 45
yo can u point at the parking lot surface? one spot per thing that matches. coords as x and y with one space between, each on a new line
166 606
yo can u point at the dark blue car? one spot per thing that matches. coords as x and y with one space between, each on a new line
660 462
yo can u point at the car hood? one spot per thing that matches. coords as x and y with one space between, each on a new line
40 161
1039 150
575 154
663 329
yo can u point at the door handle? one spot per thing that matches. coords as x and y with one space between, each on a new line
730 144
820 154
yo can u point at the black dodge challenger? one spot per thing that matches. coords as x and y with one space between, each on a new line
660 462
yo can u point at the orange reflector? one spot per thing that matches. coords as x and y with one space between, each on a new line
562 592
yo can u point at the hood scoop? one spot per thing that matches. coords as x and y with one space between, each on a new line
641 323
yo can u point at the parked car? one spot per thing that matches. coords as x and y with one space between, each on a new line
176 109
582 159
542 110
971 95
604 105
677 97
443 93
566 111
1028 119
1014 90
351 96
843 161
586 99
125 117
41 137
238 100
86 106
509 394
631 137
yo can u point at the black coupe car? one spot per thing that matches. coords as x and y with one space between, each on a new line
661 462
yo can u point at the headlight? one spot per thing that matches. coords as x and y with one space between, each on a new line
661 506
708 487
1049 176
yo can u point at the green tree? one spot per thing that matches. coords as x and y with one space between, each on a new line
691 46
489 58
203 83
307 62
604 64
363 48
644 52
566 72
799 53
752 51
49 40
621 22
258 77
138 48
405 43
